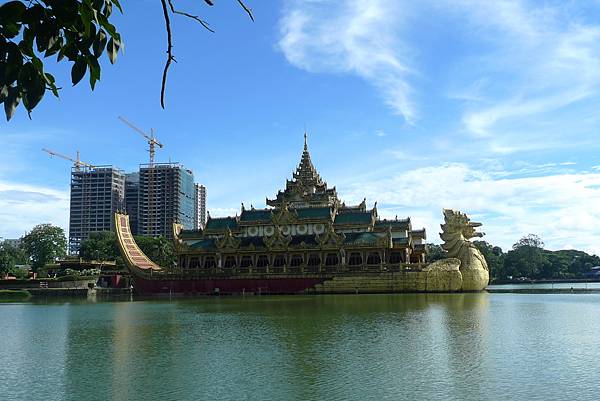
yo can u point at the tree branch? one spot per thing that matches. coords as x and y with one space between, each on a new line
194 17
248 10
170 57
169 52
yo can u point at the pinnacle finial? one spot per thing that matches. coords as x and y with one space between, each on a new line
305 140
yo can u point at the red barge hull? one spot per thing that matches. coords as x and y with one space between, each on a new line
226 286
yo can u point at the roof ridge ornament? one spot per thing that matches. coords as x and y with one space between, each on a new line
305 141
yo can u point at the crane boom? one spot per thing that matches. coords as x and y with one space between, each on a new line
152 141
77 162
138 130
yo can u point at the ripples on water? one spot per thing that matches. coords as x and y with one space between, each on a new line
413 346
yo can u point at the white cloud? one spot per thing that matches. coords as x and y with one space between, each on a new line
24 206
519 65
560 208
351 36
547 60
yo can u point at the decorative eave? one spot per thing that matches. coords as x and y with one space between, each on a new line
419 233
228 241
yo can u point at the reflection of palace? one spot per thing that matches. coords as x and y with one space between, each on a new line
306 228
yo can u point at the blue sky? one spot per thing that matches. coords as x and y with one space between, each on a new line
488 107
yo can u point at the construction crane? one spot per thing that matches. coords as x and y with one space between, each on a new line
77 163
152 141
152 204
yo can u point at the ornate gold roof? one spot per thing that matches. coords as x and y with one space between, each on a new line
306 188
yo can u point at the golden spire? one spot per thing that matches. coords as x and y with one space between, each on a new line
305 141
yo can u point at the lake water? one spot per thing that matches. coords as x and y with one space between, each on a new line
414 346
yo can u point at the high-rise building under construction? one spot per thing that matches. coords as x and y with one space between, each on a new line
132 189
96 194
200 204
166 196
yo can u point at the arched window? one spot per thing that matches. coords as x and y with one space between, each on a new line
246 261
262 261
279 261
395 258
194 263
373 258
296 260
209 262
230 262
355 259
314 259
332 259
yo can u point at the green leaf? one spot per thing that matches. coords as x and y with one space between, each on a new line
51 83
3 93
12 11
10 29
99 43
42 37
110 28
86 17
33 15
78 70
55 44
116 3
14 62
111 49
11 102
94 71
37 63
34 85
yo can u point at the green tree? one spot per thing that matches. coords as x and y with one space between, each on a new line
100 246
160 250
527 258
44 244
9 257
7 263
494 258
435 252
79 31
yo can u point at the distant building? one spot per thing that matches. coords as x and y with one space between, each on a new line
593 273
166 196
132 188
200 204
12 242
96 194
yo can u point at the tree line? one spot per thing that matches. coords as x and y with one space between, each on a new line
45 244
529 259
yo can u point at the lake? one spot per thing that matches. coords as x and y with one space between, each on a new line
403 346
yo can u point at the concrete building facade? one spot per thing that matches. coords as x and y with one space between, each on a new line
132 188
166 196
200 205
96 194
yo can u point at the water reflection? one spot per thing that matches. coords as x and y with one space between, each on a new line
423 346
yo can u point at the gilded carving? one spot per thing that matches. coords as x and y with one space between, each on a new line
457 232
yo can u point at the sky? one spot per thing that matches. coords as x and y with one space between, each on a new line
491 108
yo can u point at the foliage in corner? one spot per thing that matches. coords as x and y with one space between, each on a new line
78 30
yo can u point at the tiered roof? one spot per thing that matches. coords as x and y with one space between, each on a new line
306 188
306 199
